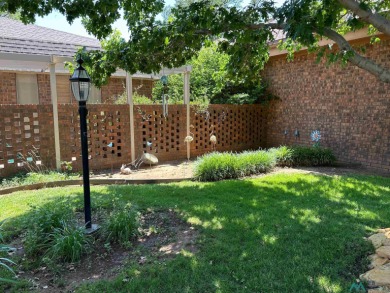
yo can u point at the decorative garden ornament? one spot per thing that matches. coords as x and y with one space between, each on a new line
316 137
188 139
164 81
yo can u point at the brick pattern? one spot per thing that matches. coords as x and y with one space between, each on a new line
8 88
143 87
236 128
44 91
159 135
349 106
108 135
24 128
116 87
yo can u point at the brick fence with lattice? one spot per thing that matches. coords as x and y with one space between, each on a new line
24 127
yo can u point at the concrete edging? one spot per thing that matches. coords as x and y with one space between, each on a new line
108 181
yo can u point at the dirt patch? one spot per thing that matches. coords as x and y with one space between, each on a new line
163 235
169 170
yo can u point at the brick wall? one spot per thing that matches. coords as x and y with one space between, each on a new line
44 91
23 126
8 88
116 87
349 106
143 87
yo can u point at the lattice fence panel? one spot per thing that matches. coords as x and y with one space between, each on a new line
108 135
24 138
235 128
159 135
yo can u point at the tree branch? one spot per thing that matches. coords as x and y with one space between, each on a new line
379 71
378 21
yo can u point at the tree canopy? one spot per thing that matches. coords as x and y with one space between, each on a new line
244 33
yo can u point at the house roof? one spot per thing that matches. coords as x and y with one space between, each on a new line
16 37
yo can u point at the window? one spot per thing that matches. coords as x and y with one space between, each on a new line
27 89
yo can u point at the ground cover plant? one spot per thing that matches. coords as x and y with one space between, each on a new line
277 233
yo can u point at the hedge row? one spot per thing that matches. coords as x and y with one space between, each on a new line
217 166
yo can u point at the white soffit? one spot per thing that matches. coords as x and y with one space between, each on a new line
40 63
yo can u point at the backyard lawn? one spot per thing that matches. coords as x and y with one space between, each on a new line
276 233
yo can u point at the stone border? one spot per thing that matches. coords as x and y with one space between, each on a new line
110 181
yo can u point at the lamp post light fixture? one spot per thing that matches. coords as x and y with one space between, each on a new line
80 84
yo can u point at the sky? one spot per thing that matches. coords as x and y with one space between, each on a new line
57 21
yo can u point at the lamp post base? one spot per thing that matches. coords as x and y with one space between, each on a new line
92 230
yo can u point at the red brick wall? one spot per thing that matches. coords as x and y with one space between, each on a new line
44 91
349 106
24 128
143 87
8 88
117 86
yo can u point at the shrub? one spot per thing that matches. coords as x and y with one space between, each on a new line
217 166
68 243
122 224
312 156
283 155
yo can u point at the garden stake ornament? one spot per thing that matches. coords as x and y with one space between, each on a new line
164 81
213 138
316 137
188 139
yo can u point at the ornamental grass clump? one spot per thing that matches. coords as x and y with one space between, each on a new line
218 166
312 156
122 224
68 243
283 155
40 223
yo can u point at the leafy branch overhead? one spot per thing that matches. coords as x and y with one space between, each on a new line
244 33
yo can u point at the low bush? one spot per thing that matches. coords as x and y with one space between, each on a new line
312 156
217 166
121 225
303 156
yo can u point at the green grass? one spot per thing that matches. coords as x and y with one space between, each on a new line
278 233
33 177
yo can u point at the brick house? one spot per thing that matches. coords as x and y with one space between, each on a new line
349 106
29 52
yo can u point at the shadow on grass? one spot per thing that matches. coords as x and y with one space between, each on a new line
281 233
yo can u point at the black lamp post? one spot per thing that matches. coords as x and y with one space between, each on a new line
81 83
